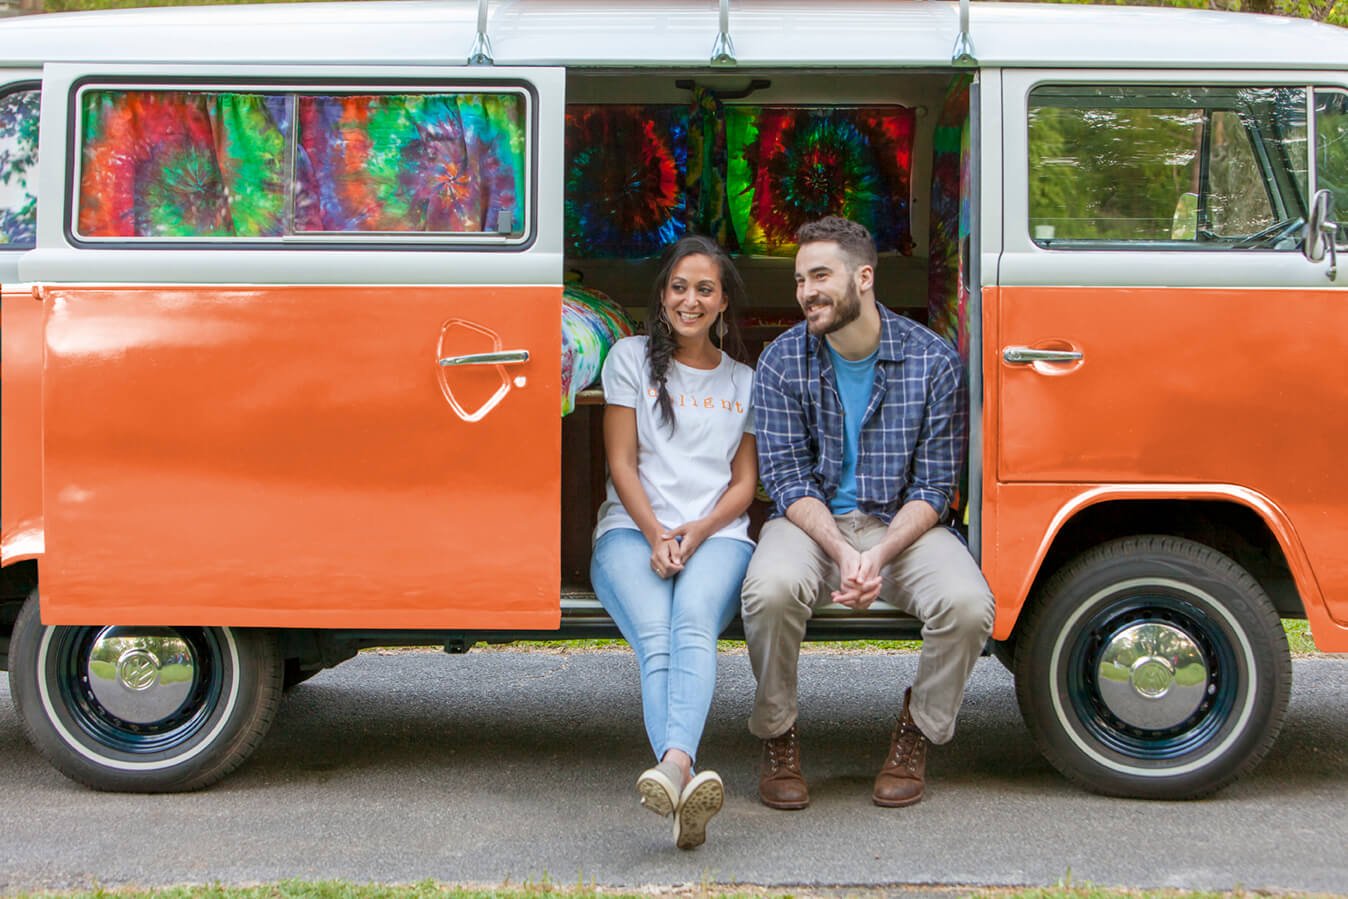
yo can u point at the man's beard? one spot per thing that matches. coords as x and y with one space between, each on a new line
846 310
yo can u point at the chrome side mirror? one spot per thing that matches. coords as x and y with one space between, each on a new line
1321 233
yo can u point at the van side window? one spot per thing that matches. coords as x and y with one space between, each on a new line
201 164
18 168
1184 167
1331 152
446 163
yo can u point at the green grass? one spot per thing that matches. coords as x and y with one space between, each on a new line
1298 640
1299 636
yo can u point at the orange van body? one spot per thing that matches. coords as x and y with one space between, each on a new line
1155 413
1207 426
291 453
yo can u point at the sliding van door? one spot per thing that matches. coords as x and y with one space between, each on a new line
302 335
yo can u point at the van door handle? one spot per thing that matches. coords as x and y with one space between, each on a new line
1023 355
500 357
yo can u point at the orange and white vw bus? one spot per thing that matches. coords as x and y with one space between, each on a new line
291 294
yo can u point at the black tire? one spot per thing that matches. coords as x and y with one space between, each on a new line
176 733
1153 667
1004 651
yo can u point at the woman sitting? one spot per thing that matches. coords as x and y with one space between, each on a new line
672 542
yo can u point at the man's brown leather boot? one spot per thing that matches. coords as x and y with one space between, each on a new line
903 778
780 783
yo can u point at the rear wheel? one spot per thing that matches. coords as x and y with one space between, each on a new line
1153 667
143 709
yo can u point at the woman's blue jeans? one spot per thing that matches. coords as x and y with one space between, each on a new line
672 626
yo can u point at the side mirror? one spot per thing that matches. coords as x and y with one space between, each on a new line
1321 232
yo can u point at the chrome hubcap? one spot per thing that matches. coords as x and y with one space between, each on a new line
140 676
1153 675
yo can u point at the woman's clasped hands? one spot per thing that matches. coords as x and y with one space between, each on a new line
675 546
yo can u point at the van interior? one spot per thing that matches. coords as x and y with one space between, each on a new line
747 158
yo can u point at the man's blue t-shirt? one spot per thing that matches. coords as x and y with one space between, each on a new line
854 381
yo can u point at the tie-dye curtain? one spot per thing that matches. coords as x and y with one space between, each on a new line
788 166
708 202
639 177
203 164
417 162
181 164
947 312
18 168
626 190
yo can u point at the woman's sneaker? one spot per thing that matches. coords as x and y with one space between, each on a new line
698 804
658 787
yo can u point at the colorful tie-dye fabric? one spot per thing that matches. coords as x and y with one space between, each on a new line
183 164
626 179
202 164
947 300
708 203
591 324
18 169
788 166
449 163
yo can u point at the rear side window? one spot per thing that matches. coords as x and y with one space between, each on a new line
231 165
18 168
1185 167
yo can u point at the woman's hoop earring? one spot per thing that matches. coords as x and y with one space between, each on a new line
721 327
662 323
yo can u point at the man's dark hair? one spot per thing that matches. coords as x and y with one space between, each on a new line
856 242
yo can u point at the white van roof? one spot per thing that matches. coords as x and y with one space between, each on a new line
767 33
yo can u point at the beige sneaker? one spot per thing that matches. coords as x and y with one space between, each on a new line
658 787
699 803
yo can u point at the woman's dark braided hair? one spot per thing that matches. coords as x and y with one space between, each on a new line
660 345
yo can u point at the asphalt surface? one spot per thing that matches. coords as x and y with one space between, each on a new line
519 767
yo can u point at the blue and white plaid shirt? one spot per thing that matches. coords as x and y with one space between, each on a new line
912 436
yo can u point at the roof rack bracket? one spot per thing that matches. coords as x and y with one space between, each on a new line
963 53
723 51
480 54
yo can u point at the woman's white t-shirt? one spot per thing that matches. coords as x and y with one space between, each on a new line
684 472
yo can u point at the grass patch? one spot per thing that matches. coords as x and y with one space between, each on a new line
1299 636
1298 639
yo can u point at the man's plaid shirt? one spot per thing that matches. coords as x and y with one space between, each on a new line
912 436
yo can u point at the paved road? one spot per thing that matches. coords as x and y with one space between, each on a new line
514 766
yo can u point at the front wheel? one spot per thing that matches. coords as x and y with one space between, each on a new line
143 709
1153 667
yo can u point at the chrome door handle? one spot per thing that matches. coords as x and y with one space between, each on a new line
1023 355
501 357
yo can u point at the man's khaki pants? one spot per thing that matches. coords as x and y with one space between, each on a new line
935 580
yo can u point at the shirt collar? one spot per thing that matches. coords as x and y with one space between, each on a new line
893 337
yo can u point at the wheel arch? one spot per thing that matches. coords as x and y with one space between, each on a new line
1236 521
17 580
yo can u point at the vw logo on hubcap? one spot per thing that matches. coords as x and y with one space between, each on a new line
138 669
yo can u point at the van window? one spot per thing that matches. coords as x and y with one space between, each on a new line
203 164
1183 167
1331 151
18 168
